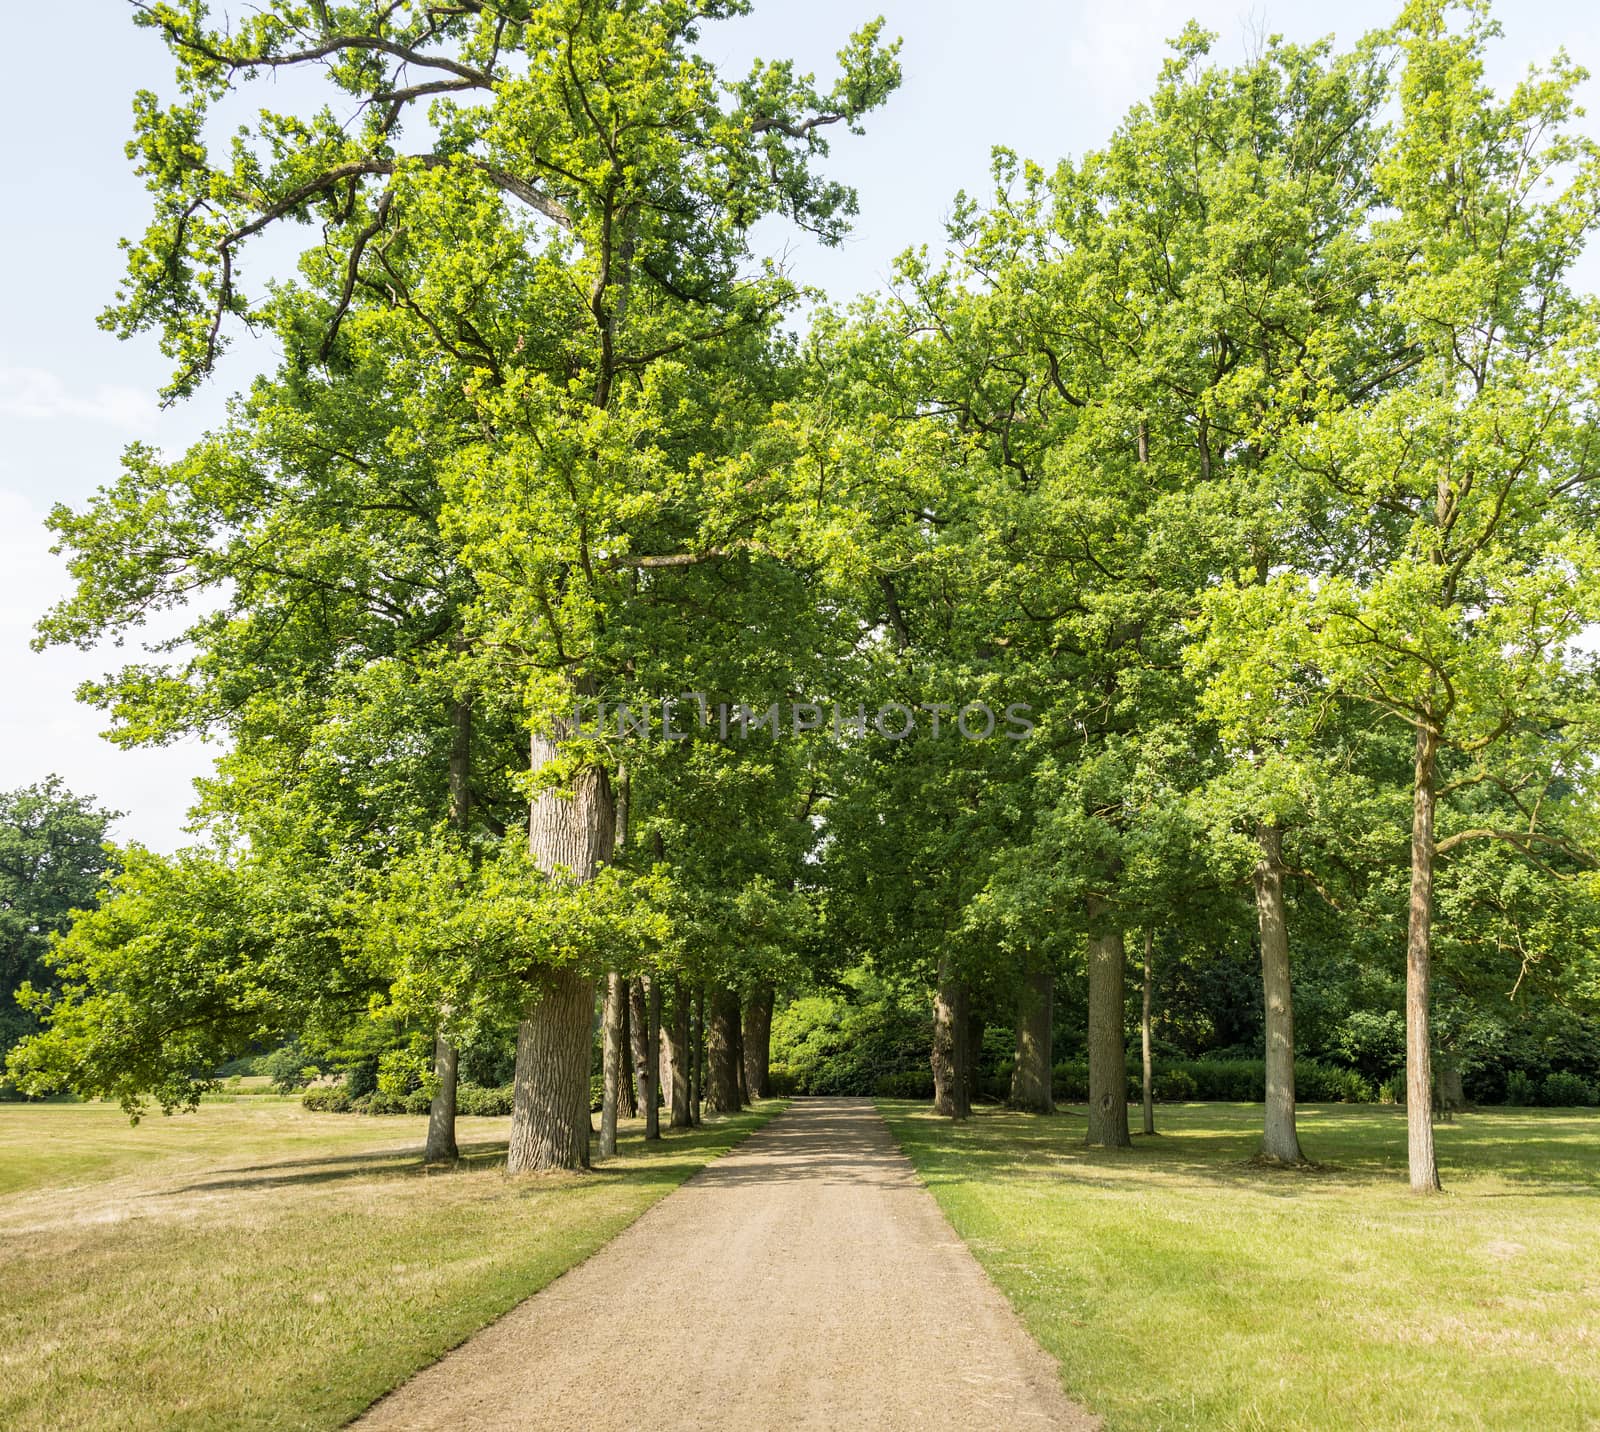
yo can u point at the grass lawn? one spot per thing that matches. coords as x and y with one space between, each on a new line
255 1265
1181 1286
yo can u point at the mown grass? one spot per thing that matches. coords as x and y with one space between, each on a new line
1180 1285
255 1265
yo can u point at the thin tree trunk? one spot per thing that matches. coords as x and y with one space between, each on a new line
612 1064
950 1096
758 1040
744 1083
441 1144
1419 954
570 835
644 1078
1108 1053
675 1056
1144 1037
627 1091
697 1067
722 1052
1280 1140
974 1059
1030 1080
652 1054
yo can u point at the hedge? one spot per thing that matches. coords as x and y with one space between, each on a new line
1240 1081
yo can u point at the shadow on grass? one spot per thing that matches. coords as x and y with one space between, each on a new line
636 1159
1546 1154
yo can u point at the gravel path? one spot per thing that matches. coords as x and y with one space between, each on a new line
804 1280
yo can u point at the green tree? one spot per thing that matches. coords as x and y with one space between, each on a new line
53 862
1465 486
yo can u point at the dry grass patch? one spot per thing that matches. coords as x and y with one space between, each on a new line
256 1265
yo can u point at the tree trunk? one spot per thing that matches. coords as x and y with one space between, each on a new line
570 835
1030 1080
675 1057
1280 1140
722 1052
550 1099
738 1063
974 1051
758 1040
441 1144
697 1067
644 1065
949 1058
1149 1086
612 1064
652 1054
1108 1052
1419 954
1452 1089
627 1090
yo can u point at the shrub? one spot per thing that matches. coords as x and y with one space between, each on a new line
418 1101
287 1067
326 1099
781 1081
906 1084
1520 1089
483 1103
1392 1091
1562 1090
1175 1086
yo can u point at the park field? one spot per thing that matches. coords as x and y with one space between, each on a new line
255 1265
1182 1286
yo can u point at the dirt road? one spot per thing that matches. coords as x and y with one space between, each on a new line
805 1280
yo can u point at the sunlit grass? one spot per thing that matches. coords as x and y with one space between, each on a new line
255 1265
1182 1286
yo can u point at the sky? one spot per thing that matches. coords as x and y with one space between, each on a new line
1047 78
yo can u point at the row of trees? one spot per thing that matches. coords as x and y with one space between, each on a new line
1249 454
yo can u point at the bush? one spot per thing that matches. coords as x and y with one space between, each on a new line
326 1099
287 1067
1174 1086
906 1084
483 1103
1392 1091
781 1081
1521 1091
418 1101
1562 1090
1232 1081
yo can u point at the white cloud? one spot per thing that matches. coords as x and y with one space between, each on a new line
37 395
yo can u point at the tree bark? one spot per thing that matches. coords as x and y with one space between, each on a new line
441 1144
697 1066
1419 955
722 1052
627 1091
1030 1080
1280 1140
612 1064
675 1057
950 1091
570 835
550 1099
974 1052
758 1040
1149 1086
738 1062
441 1141
1108 1052
652 1052
644 1064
